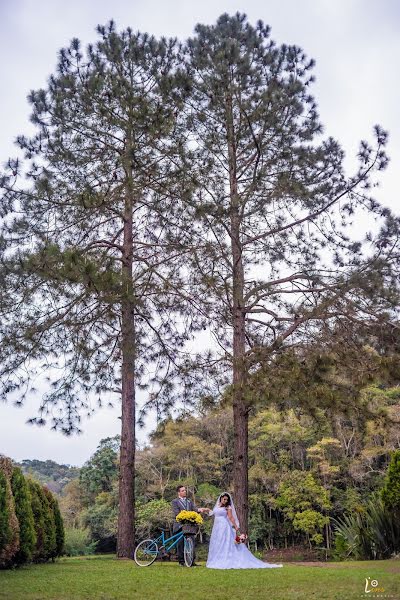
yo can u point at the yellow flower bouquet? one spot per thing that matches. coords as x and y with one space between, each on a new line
189 516
190 520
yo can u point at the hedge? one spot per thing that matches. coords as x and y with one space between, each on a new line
31 526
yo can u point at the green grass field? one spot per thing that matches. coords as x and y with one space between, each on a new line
105 578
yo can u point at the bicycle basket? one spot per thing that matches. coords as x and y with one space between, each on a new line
189 528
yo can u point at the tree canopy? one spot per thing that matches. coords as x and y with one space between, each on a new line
171 187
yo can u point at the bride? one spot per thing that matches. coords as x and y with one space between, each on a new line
224 552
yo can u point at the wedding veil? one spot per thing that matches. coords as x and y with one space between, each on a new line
232 506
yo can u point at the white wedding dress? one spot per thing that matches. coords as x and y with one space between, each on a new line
224 553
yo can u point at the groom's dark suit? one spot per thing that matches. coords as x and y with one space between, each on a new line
179 504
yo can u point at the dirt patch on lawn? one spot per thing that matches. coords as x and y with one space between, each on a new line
304 557
389 568
315 564
296 554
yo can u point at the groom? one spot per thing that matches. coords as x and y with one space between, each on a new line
178 504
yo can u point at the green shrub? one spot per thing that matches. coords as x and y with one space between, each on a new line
373 533
153 516
56 531
10 543
60 533
391 490
44 523
77 542
50 544
206 494
101 520
341 548
260 525
48 523
5 531
311 523
23 511
38 519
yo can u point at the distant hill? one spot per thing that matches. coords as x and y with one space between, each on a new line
52 474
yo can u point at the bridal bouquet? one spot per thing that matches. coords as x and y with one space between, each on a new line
240 538
186 517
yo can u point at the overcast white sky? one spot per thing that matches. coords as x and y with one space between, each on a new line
356 44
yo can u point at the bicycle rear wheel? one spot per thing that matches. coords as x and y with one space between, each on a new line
188 551
146 553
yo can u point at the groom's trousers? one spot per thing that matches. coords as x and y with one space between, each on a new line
180 546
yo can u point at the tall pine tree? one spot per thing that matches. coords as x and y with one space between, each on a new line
279 268
85 261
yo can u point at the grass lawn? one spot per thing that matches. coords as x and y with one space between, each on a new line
106 578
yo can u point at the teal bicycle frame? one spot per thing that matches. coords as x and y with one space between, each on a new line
172 541
148 550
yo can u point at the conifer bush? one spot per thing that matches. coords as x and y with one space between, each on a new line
10 544
23 511
50 524
5 532
391 489
49 527
60 533
38 518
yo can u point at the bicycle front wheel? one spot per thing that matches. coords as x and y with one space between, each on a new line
146 553
188 551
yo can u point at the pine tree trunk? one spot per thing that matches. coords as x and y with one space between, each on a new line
240 433
126 516
240 409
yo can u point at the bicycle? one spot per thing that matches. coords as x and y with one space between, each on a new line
148 550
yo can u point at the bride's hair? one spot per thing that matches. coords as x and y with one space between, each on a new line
225 496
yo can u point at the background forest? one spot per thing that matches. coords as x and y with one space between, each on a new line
324 467
309 471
